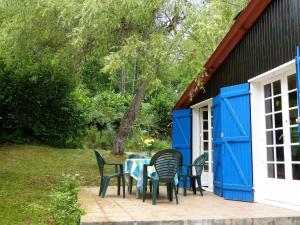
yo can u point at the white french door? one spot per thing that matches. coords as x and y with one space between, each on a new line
206 145
282 152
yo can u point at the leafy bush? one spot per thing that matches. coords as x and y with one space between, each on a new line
161 144
64 206
41 104
100 139
93 138
107 109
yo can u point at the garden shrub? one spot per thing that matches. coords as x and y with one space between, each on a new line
100 139
64 207
107 109
41 104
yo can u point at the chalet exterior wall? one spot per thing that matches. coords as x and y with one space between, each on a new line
270 42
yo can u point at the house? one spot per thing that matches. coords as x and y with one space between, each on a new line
247 118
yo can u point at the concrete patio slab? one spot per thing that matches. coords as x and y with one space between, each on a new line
192 210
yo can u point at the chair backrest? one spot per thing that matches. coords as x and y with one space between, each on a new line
100 160
166 163
199 162
135 156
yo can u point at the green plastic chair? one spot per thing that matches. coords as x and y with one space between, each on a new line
166 163
198 164
104 179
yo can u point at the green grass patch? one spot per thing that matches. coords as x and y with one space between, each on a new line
29 173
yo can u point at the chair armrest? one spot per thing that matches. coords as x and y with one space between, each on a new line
195 165
116 165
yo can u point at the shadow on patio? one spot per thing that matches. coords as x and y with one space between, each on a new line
193 209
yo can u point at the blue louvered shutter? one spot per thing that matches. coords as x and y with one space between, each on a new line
181 134
298 87
236 143
217 146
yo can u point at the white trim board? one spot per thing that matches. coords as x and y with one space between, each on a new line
201 104
196 143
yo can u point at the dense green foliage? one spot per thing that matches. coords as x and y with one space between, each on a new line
69 69
41 105
64 206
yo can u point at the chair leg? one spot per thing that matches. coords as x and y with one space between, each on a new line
154 193
105 186
199 185
128 186
119 185
193 184
169 191
177 188
184 186
130 181
101 183
123 184
144 188
175 193
150 184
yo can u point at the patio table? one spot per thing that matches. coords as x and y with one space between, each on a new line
134 168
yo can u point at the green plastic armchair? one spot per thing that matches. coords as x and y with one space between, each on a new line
104 179
198 165
166 163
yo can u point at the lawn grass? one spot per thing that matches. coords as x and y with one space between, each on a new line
28 174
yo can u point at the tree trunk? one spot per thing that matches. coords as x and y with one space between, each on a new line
129 118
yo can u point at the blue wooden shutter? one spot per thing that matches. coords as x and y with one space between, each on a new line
236 143
181 133
298 86
217 146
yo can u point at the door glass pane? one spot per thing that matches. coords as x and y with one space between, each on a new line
205 115
270 154
269 122
296 171
295 152
292 82
271 171
267 89
279 136
205 135
205 146
279 154
278 120
277 103
276 87
293 116
205 125
293 99
280 171
269 137
294 135
268 105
